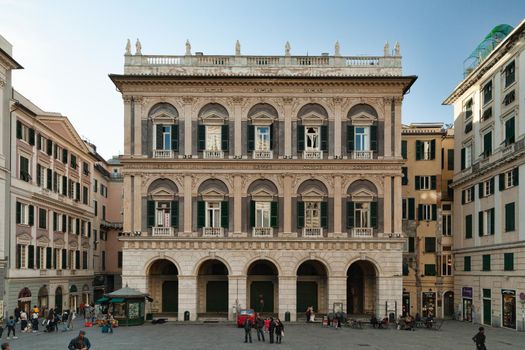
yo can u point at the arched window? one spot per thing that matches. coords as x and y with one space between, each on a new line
362 132
213 131
165 137
213 208
312 131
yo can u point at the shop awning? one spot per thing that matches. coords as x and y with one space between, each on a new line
101 300
117 300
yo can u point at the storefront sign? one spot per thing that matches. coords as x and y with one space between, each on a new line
466 292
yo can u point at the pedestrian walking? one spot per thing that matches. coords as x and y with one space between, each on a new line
247 330
479 339
5 346
34 321
279 331
80 343
23 321
259 327
11 327
271 329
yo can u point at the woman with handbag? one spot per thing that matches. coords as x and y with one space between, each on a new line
279 331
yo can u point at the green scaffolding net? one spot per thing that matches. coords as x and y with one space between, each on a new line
489 43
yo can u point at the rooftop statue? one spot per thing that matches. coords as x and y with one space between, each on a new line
128 47
138 48
387 49
237 48
188 48
287 49
397 49
337 48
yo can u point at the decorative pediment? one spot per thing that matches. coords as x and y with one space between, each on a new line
312 195
362 195
42 241
213 118
212 195
73 244
312 119
63 127
163 116
262 195
363 118
262 118
161 193
85 244
23 238
59 242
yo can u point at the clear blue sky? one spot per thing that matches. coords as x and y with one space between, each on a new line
69 47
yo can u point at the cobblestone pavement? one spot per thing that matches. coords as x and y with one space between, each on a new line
453 335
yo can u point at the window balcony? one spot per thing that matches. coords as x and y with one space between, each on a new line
162 231
362 155
163 154
313 232
212 232
262 232
362 232
207 154
262 154
312 155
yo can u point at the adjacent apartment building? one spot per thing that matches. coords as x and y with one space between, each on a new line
428 267
271 182
489 240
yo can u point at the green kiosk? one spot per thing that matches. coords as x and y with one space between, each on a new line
127 305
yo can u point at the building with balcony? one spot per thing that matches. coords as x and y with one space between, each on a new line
271 182
489 240
428 150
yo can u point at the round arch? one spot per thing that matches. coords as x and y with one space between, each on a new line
212 287
362 287
262 279
207 258
318 107
162 182
209 106
262 258
163 285
198 186
372 104
263 107
267 183
59 299
162 108
375 264
373 181
308 183
320 260
149 263
312 287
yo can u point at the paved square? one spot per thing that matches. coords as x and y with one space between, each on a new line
453 335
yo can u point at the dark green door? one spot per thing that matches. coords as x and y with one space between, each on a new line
487 312
306 296
58 302
170 296
264 289
217 296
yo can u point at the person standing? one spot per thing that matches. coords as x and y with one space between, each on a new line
271 329
259 327
11 327
261 303
80 343
34 321
247 330
308 314
23 321
279 331
479 339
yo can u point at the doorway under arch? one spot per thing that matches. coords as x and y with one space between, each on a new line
163 286
361 288
58 300
448 304
212 288
263 286
312 287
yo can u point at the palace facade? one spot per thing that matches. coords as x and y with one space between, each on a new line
271 182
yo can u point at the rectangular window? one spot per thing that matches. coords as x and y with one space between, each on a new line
84 260
312 136
508 262
24 169
427 152
263 214
362 138
41 257
446 265
262 138
312 215
468 109
425 182
430 269
510 134
119 260
362 215
450 159
85 168
95 186
95 206
103 212
166 137
486 262
486 222
404 180
468 195
487 144
487 188
213 214
73 161
427 212
404 212
411 245
466 155
162 214
430 244
446 224
42 218
510 74
466 263
510 216
23 213
487 92
103 261
213 137
85 195
468 226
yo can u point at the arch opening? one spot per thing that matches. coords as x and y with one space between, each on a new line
163 286
263 286
212 288
312 287
361 288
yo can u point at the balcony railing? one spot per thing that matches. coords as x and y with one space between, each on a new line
213 154
262 154
313 232
362 232
161 153
262 231
212 232
362 154
162 231
312 155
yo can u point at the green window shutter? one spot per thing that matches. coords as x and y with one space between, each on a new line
492 219
64 156
491 184
300 214
411 245
31 215
416 183
49 256
49 179
31 136
77 223
201 214
373 214
450 159
49 147
419 150
480 223
252 213
274 218
501 182
433 181
468 226
430 269
175 137
516 176
174 214
411 209
18 213
463 194
466 263
486 262
225 137
508 259
420 212
150 215
509 131
38 174
55 221
509 217
404 180
18 256
373 138
350 207
18 129
300 138
433 149
350 138
77 259
324 215
272 140
463 158
64 259
480 190
64 223
64 185
251 137
38 259
324 137
404 152
159 142
225 216
434 212
31 256
201 138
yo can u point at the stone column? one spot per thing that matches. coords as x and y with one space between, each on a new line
397 205
288 127
237 115
237 294
387 207
397 142
127 224
337 291
137 204
287 296
188 212
337 126
388 128
188 107
389 290
237 206
338 209
127 125
287 200
188 297
139 104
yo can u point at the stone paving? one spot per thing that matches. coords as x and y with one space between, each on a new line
453 335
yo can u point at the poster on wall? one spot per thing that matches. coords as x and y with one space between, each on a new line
509 308
429 304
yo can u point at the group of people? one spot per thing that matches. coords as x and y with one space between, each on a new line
406 323
271 326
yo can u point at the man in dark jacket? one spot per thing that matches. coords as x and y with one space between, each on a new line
479 339
271 329
80 342
259 327
247 330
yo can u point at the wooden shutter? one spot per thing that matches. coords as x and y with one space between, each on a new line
416 183
64 259
350 207
159 142
324 137
450 159
300 138
64 223
373 138
509 131
491 184
225 216
175 137
501 182
492 219
404 152
174 214
272 140
433 149
433 180
418 150
18 129
31 256
373 214
38 175
510 217
38 258
324 215
434 212
480 190
300 214
49 147
201 214
420 212
274 214
480 223
201 137
18 213
64 156
150 215
516 176
18 256
404 180
463 194
463 158
49 179
31 215
49 257
225 137
411 209
252 214
251 137
350 138
468 226
64 185
31 136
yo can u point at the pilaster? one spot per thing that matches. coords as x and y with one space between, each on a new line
337 127
127 125
188 212
237 206
237 294
387 205
336 291
397 204
188 128
127 224
137 204
138 105
388 129
287 296
288 127
338 210
237 115
187 296
397 142
287 201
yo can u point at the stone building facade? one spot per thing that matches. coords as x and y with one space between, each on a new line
428 149
489 239
271 182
